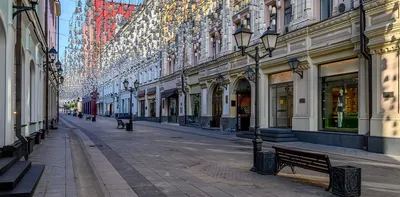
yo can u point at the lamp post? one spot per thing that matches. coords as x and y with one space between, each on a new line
136 86
269 40
52 55
60 81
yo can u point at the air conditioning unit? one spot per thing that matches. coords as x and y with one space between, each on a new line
345 6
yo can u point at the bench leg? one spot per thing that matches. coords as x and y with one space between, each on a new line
293 171
330 183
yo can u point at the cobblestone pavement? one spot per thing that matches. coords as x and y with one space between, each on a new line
58 176
186 163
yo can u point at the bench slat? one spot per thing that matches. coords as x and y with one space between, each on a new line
306 166
304 161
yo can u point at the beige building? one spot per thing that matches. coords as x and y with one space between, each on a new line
326 103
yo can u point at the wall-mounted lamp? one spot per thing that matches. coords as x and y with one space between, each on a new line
294 64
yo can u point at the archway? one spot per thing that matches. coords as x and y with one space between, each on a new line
243 106
32 89
217 98
2 83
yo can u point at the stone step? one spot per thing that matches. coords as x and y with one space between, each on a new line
27 186
275 130
271 139
6 163
12 176
278 135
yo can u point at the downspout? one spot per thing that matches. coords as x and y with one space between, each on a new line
159 79
365 53
18 84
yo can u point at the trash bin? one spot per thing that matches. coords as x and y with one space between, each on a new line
128 126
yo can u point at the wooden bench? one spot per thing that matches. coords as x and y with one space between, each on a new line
120 124
89 118
307 160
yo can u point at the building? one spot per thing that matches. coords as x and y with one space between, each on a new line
33 71
325 101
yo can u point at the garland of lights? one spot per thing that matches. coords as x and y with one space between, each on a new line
152 28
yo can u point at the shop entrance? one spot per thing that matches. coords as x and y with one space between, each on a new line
173 109
281 105
243 112
216 106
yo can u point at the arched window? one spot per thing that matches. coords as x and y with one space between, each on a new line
32 89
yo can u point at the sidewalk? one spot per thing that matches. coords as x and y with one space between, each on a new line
58 176
348 152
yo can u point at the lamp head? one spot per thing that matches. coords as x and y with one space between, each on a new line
269 39
126 84
293 63
136 84
242 37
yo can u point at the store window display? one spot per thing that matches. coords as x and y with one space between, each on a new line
340 102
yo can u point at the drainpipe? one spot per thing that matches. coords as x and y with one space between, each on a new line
18 82
184 95
159 93
365 53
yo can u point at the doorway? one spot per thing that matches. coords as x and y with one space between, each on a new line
173 109
281 105
243 112
217 106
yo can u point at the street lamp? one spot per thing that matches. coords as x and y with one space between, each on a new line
294 64
220 81
269 39
136 86
52 54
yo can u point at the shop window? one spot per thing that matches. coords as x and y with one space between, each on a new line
340 102
195 105
326 9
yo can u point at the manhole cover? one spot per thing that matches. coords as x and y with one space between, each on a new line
176 137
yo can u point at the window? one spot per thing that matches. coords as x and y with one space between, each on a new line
214 47
340 102
326 9
288 12
150 72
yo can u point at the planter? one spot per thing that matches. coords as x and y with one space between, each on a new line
346 181
266 163
38 137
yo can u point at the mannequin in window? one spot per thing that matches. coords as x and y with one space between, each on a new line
340 108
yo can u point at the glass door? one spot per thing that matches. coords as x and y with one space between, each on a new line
281 105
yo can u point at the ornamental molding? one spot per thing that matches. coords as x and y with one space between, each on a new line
386 49
372 6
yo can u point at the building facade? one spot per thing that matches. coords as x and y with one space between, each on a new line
325 101
33 70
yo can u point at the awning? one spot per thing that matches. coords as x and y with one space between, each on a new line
151 91
141 93
168 93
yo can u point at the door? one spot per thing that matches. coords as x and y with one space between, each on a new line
281 105
217 106
243 111
173 110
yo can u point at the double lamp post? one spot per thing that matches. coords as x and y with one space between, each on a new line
130 89
269 40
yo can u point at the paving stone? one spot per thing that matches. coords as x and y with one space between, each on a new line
200 163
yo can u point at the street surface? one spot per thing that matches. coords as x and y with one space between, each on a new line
156 161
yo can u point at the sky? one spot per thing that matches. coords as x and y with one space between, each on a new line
67 8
